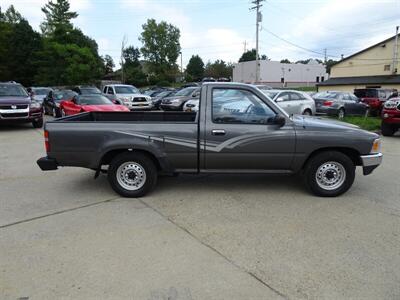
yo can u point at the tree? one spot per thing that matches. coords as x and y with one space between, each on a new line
329 64
285 61
218 69
131 56
132 68
57 14
251 55
161 48
12 16
108 64
195 68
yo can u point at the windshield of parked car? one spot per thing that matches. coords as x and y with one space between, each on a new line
60 96
329 95
89 91
366 93
41 91
186 92
126 90
165 94
94 100
270 94
14 90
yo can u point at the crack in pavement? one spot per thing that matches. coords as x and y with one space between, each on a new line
216 251
58 212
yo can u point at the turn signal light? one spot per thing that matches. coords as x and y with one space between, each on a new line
376 146
46 141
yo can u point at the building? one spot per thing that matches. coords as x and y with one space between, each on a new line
373 67
278 74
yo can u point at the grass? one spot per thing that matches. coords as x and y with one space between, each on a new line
367 123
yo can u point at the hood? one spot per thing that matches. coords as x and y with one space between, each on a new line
318 123
15 100
104 108
131 95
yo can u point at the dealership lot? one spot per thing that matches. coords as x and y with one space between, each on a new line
63 234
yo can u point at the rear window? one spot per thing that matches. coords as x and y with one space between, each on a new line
329 95
89 91
366 93
14 90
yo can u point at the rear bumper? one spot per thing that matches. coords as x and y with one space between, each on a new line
371 162
47 164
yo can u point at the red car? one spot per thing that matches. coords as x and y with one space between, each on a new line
87 103
391 117
374 97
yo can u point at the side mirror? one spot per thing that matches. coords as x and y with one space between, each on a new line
279 120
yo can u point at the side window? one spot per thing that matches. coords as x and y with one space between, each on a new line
346 97
295 97
236 106
105 90
284 97
110 91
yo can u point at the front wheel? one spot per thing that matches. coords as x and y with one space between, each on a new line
132 174
387 129
307 112
37 123
329 174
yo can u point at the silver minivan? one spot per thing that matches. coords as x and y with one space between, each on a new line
293 102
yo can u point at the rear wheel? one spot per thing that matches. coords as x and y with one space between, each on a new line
387 129
329 174
341 114
307 112
132 174
37 123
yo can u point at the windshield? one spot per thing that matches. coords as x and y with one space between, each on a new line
89 91
366 93
41 91
165 93
14 90
329 95
126 90
60 96
94 100
186 92
270 93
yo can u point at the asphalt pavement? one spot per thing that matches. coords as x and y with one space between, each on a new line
64 235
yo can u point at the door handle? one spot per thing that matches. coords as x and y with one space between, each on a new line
218 132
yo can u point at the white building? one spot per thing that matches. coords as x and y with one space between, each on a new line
278 74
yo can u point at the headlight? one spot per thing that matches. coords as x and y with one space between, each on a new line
376 146
390 104
35 105
175 101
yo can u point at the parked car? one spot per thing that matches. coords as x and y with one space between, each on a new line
375 98
128 95
293 102
192 105
339 104
177 101
51 104
190 84
160 96
209 79
86 90
40 93
391 117
16 106
137 146
85 103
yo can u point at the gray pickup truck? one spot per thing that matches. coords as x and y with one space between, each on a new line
237 130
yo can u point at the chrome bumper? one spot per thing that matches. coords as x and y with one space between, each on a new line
371 162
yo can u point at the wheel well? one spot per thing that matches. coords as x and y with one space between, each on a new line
108 157
352 153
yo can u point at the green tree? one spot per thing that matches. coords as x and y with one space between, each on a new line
195 68
161 48
251 55
285 61
329 64
12 16
218 69
57 14
108 64
132 68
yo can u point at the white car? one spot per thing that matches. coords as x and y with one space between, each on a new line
128 95
191 105
293 102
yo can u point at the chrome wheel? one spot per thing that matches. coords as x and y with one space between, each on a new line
341 114
131 176
330 175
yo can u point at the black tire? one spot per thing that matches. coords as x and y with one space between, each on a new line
138 159
387 129
37 123
307 112
323 159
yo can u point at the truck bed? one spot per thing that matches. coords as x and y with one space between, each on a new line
141 116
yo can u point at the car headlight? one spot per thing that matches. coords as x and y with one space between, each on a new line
35 105
175 101
376 146
390 104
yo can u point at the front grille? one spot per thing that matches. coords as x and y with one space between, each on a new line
15 115
18 106
139 99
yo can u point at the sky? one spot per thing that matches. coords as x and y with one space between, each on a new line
219 29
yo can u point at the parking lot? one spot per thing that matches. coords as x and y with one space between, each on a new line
65 235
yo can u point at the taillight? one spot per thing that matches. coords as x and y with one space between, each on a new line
46 141
327 103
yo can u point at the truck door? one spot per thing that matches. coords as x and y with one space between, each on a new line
239 135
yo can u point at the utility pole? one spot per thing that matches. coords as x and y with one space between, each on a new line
123 44
395 51
325 55
257 7
245 46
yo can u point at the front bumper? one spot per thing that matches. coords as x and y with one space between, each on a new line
371 162
47 164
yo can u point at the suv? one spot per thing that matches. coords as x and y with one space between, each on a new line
128 95
375 98
391 117
16 106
